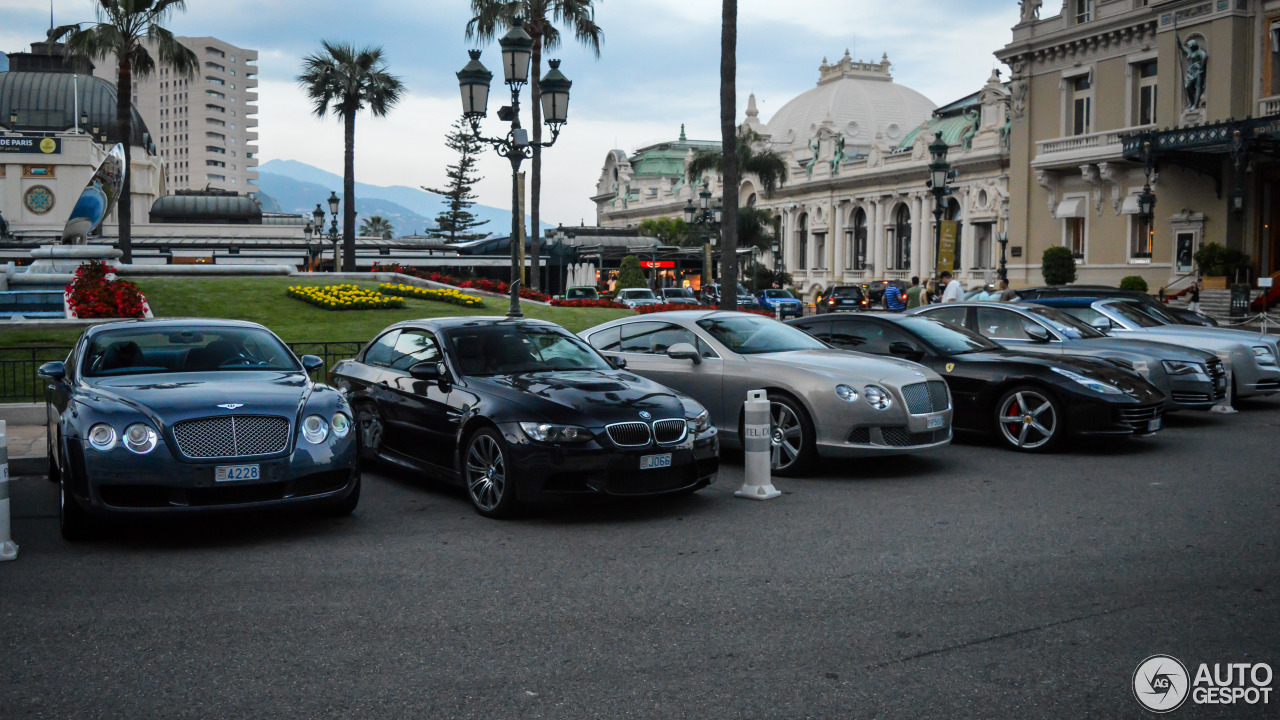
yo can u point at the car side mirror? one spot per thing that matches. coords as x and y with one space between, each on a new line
906 350
1101 324
55 371
1037 333
684 351
312 363
617 362
425 371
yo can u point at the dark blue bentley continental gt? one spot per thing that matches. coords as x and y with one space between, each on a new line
174 416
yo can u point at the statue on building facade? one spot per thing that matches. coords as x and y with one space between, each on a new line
1195 60
837 155
816 146
1030 10
974 119
1006 129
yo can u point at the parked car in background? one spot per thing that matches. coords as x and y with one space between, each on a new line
1252 356
678 296
711 295
581 293
780 302
1191 379
824 402
1031 402
843 298
635 297
149 417
1182 316
520 410
875 291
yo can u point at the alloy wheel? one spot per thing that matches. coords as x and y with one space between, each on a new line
786 435
486 472
1028 420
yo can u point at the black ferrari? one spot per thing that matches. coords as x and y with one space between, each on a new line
517 411
1031 402
180 416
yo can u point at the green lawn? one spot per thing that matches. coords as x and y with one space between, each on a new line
263 300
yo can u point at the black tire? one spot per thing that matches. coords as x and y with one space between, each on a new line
347 505
51 471
1030 419
74 523
803 452
486 475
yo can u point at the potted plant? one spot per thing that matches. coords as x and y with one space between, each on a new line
1218 265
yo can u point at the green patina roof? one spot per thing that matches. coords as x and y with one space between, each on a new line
952 128
667 159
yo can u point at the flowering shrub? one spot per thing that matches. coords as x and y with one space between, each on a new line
92 294
484 285
585 303
449 296
343 297
668 307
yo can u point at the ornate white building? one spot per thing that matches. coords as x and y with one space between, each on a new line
855 206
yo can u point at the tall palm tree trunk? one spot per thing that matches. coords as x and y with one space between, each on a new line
124 127
349 192
535 188
729 140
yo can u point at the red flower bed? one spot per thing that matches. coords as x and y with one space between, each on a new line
92 295
601 303
493 286
668 307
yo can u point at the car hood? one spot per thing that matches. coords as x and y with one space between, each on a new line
590 398
1198 338
171 397
1244 337
845 366
1133 385
1139 346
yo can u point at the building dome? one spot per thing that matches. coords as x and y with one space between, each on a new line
856 99
46 102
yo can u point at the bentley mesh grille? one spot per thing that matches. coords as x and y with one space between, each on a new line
232 436
669 432
924 398
630 434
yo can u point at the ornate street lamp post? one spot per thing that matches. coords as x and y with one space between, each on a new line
334 202
939 177
473 80
706 219
1003 239
308 230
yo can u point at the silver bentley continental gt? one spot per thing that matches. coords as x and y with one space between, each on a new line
825 402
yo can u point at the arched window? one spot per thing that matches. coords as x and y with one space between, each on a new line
751 200
856 241
901 248
802 242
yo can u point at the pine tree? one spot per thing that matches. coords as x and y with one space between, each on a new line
454 222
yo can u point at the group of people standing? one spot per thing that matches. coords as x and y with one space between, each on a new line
952 290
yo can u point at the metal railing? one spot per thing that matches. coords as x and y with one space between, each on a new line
19 382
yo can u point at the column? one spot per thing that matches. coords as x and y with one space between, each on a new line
921 241
968 239
875 233
838 251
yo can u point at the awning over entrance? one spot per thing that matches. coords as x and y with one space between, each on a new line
1070 208
1204 147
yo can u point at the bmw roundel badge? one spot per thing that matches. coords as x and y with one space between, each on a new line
644 414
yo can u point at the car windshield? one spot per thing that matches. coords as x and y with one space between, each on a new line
1155 312
638 294
678 292
513 349
1065 324
779 294
581 294
136 351
852 292
1130 312
946 338
752 335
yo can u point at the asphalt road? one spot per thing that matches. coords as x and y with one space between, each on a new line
971 583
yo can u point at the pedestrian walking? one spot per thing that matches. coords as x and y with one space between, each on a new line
916 295
893 298
953 290
1006 293
1194 304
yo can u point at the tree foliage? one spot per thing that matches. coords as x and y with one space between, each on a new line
377 226
1058 266
669 231
1215 260
454 222
1133 282
629 274
769 167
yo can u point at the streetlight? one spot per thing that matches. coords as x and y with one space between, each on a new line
473 81
307 231
939 176
318 215
706 220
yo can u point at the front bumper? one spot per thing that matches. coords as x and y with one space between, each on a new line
598 468
867 432
117 481
1099 418
1194 392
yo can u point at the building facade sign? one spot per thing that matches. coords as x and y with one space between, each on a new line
44 146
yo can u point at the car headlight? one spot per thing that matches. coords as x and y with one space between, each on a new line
1095 385
315 429
1178 367
341 425
1264 355
102 436
846 393
546 432
699 423
140 438
877 397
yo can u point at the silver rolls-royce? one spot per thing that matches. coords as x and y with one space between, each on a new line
825 402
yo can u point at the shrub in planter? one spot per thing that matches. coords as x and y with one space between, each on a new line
1217 261
1058 266
1133 282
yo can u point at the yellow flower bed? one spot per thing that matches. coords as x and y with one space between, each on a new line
343 297
448 295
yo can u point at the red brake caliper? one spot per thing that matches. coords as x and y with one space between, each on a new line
1015 414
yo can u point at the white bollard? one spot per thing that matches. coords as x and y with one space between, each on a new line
758 447
1224 407
8 551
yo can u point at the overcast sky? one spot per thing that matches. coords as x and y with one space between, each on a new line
659 67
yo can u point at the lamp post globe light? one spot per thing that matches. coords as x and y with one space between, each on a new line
939 177
318 215
473 82
307 231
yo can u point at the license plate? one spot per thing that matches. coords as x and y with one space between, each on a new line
650 462
233 473
1153 425
935 422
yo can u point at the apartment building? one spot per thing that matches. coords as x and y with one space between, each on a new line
205 126
1110 96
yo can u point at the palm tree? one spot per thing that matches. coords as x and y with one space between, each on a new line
121 29
377 226
345 80
769 167
729 163
540 19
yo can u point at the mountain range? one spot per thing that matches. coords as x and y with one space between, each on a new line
291 186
